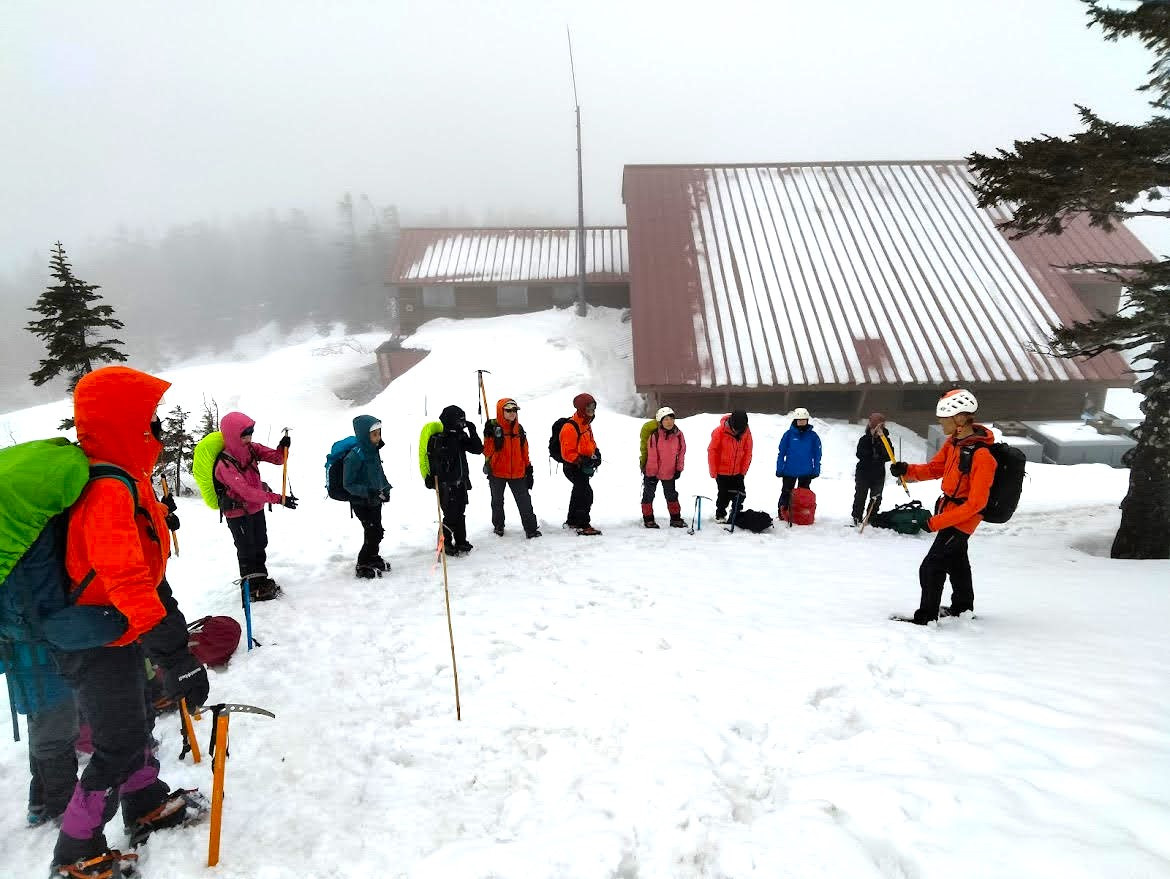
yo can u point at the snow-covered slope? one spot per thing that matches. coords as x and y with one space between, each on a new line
652 703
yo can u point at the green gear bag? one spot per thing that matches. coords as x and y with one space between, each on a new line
207 450
644 439
908 518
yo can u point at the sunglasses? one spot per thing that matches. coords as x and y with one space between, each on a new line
511 408
247 431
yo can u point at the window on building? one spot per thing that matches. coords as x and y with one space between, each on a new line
511 296
439 297
565 294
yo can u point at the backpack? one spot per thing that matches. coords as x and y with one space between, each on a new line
39 482
335 468
213 640
1008 483
802 507
908 518
204 460
644 441
753 520
554 441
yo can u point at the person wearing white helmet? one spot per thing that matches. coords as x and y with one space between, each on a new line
966 484
798 459
665 456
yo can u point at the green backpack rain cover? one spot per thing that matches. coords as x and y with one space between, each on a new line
647 431
429 430
207 450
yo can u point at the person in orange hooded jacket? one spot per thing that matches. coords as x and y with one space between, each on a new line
582 458
117 555
505 448
966 484
729 454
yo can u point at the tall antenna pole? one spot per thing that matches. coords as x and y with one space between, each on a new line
580 190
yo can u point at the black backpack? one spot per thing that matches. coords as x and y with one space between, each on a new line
753 520
1008 483
554 441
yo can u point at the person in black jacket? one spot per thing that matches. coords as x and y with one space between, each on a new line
870 475
447 459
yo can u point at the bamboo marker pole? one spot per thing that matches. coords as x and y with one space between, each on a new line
447 598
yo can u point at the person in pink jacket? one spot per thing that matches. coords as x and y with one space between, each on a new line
237 470
666 452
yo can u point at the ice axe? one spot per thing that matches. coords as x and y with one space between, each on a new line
736 503
894 460
697 516
174 536
284 472
218 748
483 393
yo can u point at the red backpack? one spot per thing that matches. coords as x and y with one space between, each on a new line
802 507
213 640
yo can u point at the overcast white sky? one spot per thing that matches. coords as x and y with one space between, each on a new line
146 114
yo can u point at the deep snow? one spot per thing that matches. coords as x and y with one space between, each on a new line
652 703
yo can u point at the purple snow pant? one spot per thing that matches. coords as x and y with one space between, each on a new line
111 686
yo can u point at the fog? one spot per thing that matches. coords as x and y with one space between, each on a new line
191 157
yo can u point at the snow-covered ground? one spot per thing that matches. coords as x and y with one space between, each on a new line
652 703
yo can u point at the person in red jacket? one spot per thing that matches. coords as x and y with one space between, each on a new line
582 458
729 455
116 554
505 448
966 483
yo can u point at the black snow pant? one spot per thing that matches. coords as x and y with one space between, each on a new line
787 483
453 502
370 515
580 498
523 499
947 556
250 532
727 486
650 488
111 691
868 485
52 760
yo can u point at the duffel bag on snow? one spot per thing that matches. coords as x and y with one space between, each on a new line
753 520
802 507
908 518
213 640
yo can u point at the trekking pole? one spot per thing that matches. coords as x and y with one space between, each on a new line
219 753
442 550
284 472
190 740
483 392
893 460
874 501
174 536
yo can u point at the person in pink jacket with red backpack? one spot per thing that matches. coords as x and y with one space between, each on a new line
238 471
666 452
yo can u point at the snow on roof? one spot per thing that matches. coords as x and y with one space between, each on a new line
833 274
509 256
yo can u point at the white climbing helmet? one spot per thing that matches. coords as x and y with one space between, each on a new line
662 413
800 412
956 401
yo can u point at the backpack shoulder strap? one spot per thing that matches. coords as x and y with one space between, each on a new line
111 471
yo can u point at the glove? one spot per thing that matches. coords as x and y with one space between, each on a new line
168 501
172 522
586 467
597 457
677 474
899 468
528 477
384 495
926 526
186 679
285 442
429 480
471 429
290 502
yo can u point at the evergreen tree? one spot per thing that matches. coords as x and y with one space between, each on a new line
1110 172
69 323
178 446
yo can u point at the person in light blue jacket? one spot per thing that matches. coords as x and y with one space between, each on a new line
799 459
366 482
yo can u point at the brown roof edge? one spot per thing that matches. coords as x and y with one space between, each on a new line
925 386
502 228
812 164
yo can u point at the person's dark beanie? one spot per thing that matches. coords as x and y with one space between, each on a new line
738 420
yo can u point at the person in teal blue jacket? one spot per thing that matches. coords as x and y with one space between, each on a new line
366 482
799 459
36 689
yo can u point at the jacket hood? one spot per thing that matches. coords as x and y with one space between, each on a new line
500 404
725 423
362 425
232 426
451 417
981 436
580 402
112 408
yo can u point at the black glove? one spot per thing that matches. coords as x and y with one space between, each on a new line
186 679
290 502
429 480
172 522
899 468
384 495
471 429
677 474
597 457
285 442
168 501
926 526
528 478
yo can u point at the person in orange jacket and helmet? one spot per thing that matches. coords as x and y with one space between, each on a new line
582 458
116 553
966 485
505 448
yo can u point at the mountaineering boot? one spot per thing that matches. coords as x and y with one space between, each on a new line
263 589
590 531
366 572
720 515
110 864
463 547
499 531
532 534
180 808
676 519
648 516
380 565
678 522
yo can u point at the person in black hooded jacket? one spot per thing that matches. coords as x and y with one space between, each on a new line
447 459
869 477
